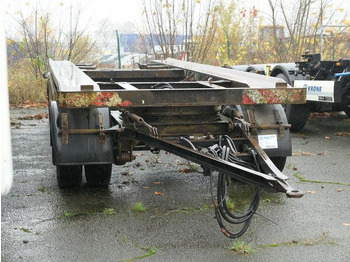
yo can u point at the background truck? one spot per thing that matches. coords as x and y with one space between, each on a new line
231 123
327 84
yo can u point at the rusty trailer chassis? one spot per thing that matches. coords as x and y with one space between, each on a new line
215 117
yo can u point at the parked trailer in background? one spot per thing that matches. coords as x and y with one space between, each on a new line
229 122
327 84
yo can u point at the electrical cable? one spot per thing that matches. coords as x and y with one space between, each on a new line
225 149
222 211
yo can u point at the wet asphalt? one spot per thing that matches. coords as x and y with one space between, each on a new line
40 222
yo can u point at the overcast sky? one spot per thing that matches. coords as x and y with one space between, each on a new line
120 12
117 11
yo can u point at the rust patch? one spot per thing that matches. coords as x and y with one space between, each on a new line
88 99
125 103
274 96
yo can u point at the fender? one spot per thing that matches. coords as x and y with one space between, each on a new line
264 114
287 69
80 149
258 69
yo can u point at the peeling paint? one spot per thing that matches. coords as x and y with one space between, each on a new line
114 99
88 99
274 96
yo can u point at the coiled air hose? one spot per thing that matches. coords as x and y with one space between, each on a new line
222 211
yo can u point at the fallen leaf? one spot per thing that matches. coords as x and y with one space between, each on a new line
327 137
37 116
27 104
157 182
158 193
318 115
146 187
186 170
302 153
294 168
339 189
346 224
342 134
311 192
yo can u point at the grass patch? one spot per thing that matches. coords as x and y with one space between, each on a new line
150 252
308 242
191 168
109 211
239 247
26 230
292 167
272 245
44 189
230 204
303 179
195 167
188 209
240 195
23 86
124 239
138 207
106 211
204 207
271 197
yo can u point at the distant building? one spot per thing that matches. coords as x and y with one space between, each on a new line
139 43
267 31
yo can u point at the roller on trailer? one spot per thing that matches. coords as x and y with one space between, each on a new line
229 122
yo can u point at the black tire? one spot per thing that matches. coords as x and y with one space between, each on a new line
53 116
279 161
98 175
297 114
69 176
347 110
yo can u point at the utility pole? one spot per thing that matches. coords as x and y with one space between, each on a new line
228 45
118 49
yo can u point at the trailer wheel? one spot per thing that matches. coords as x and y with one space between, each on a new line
69 176
297 114
98 175
347 110
279 161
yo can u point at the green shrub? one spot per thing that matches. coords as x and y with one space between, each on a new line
23 86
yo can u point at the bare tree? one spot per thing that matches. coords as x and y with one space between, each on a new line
46 34
180 28
304 21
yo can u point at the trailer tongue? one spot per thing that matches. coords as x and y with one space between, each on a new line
228 122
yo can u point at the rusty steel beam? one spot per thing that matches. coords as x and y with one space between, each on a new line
179 97
150 75
243 79
77 90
